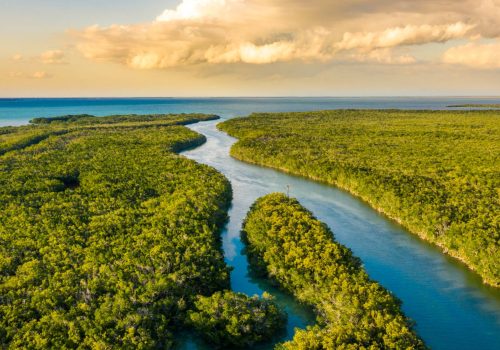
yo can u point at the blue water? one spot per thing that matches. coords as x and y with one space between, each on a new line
20 111
451 307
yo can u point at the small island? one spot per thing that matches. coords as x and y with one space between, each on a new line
476 105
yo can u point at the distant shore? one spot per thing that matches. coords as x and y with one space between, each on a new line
476 105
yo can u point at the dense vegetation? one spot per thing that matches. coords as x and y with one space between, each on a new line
436 172
12 138
152 119
234 320
17 138
107 236
296 250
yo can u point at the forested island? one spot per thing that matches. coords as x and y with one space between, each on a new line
286 243
109 239
435 172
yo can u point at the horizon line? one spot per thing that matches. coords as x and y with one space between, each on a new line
248 97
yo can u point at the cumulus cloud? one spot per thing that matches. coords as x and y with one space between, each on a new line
52 57
197 9
474 55
258 32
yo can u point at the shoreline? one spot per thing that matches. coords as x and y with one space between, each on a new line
420 235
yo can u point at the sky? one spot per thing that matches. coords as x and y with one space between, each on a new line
108 48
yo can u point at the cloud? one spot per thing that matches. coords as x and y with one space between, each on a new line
52 57
36 75
474 55
17 57
384 56
41 75
47 57
259 32
407 35
197 9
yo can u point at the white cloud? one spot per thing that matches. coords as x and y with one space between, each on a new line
475 55
196 9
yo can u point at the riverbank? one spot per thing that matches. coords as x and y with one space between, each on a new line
367 200
289 245
433 172
453 310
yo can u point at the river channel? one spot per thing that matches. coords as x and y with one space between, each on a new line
451 307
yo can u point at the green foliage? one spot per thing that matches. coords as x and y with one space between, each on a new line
21 137
436 172
63 118
13 138
296 250
230 320
106 235
87 119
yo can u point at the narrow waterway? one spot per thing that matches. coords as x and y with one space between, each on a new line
452 308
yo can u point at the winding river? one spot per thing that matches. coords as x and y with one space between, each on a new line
451 307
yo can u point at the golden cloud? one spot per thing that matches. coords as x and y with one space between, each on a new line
52 57
36 75
407 35
474 55
384 56
17 57
215 32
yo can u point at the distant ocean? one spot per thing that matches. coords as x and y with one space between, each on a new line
18 111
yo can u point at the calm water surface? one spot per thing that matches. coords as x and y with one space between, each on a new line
20 111
452 308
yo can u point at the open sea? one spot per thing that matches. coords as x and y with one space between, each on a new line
17 111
